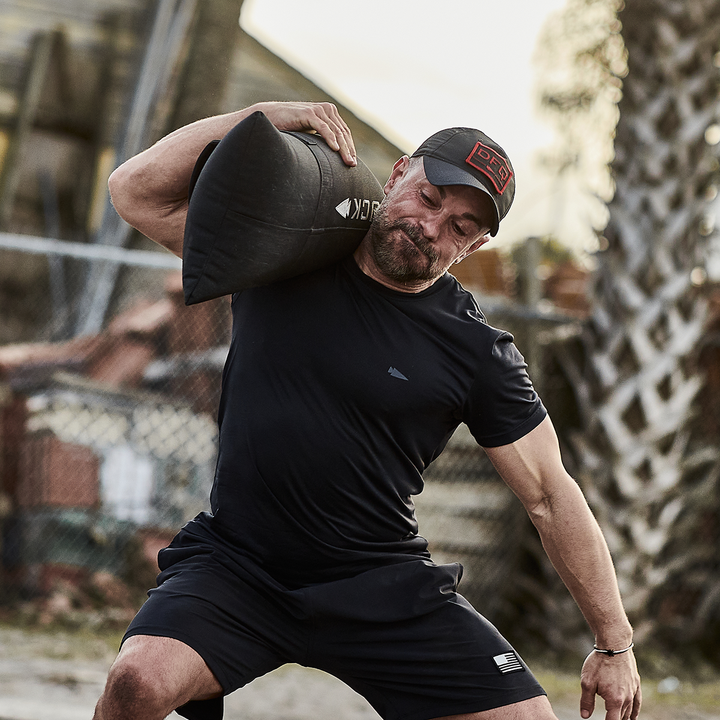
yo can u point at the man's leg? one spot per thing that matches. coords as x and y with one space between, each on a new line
151 677
537 708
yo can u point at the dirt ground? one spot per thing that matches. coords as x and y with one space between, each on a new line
59 674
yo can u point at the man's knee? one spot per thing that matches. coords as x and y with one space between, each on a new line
129 683
151 677
132 691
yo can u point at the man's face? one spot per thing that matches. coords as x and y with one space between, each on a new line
420 230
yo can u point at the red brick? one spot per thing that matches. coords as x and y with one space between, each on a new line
57 474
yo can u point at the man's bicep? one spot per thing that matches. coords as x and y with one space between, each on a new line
165 226
164 223
155 206
532 466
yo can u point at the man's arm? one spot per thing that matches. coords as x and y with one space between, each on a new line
150 190
533 469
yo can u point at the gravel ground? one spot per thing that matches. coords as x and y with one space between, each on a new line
59 676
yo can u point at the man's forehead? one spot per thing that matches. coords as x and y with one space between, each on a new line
479 204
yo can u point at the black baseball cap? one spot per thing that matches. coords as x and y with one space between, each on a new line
465 156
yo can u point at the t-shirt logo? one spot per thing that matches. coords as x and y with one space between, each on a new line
491 163
508 663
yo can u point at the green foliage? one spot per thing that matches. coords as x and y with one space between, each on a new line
581 60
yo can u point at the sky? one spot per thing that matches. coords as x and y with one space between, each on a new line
411 67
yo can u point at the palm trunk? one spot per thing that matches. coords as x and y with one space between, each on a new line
644 462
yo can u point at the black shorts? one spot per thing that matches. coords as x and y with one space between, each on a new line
398 635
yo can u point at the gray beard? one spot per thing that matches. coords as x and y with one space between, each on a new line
398 260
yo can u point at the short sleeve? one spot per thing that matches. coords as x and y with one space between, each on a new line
502 405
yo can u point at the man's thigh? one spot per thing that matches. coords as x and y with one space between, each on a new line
537 708
228 624
203 620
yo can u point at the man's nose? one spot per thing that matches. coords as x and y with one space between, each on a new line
430 223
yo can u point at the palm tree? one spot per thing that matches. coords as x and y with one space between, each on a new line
649 469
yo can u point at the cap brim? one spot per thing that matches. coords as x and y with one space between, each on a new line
439 172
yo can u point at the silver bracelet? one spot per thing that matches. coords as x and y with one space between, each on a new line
612 653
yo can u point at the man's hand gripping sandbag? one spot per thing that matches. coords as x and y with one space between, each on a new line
267 205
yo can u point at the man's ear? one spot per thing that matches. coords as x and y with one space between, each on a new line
399 169
475 246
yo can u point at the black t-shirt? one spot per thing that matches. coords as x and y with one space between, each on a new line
337 394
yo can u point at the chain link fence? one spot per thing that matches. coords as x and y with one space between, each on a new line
107 441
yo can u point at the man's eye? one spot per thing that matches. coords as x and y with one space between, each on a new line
429 198
459 230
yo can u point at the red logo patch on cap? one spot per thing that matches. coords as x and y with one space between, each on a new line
491 163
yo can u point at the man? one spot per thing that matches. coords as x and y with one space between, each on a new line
312 553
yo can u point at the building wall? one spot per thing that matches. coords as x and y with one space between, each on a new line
257 74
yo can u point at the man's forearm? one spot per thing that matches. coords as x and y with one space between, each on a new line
533 469
576 547
150 190
165 167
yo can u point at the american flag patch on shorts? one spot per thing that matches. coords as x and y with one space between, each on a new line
508 662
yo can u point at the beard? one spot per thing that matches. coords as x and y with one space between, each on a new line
401 252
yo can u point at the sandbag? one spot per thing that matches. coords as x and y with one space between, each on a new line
267 205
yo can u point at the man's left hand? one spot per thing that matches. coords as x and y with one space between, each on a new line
616 680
